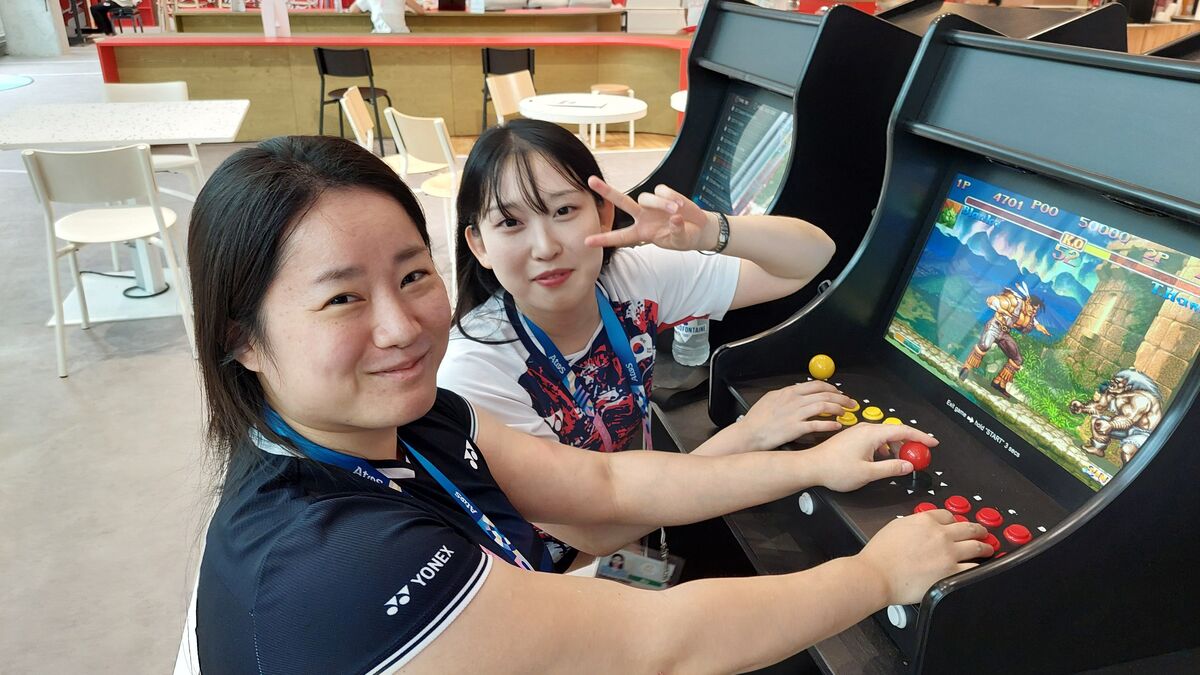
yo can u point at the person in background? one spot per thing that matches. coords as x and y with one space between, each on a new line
387 16
100 12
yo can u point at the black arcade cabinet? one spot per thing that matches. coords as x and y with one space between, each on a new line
1028 292
1186 48
787 113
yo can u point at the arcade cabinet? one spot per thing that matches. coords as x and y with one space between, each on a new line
1186 48
1103 29
805 135
1029 293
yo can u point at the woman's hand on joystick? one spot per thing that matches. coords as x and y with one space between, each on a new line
847 461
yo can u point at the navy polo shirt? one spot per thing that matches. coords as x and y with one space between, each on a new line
310 569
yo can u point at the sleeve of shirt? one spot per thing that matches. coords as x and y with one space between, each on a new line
361 585
472 371
686 284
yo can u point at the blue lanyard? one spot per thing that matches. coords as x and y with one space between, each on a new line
619 342
361 467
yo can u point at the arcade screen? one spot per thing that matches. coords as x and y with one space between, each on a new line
748 154
1075 334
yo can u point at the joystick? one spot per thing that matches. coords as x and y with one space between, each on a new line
820 367
918 455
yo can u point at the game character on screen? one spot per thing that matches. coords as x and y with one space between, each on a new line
1016 310
1126 408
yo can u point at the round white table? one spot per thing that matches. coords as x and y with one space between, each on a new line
586 110
679 100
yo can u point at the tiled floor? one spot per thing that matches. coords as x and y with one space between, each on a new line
104 486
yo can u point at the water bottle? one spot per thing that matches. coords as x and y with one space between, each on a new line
690 347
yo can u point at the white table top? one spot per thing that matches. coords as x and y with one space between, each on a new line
109 124
582 108
679 100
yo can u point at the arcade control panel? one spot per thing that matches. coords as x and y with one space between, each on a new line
957 474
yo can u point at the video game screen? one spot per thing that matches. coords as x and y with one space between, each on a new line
1075 334
748 154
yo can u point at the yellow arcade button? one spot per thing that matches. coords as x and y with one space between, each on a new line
848 419
893 420
872 414
853 408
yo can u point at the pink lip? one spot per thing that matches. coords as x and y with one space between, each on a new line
402 369
553 278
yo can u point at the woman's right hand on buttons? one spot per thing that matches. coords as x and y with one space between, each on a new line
783 415
912 553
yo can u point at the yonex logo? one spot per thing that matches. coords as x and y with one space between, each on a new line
423 576
401 598
471 456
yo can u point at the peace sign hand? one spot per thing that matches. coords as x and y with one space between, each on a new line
665 218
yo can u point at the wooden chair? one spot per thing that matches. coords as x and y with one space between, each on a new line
354 107
96 177
503 62
507 92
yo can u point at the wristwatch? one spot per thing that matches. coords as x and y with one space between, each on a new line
722 234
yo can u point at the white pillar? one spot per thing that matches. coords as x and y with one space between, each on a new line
34 27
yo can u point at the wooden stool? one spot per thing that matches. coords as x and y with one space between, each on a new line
614 90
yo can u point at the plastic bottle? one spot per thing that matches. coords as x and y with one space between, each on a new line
690 347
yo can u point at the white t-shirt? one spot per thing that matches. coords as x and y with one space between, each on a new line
387 16
651 289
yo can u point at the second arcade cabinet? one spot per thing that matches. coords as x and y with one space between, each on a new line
787 113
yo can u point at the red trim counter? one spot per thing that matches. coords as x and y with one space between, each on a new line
427 75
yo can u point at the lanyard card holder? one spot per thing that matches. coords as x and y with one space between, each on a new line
641 567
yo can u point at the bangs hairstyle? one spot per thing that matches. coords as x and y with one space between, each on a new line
237 237
511 150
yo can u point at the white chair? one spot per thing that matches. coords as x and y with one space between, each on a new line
97 177
362 125
188 164
424 145
508 90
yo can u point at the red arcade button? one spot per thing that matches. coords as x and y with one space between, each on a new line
992 541
989 517
960 518
1018 534
924 506
958 504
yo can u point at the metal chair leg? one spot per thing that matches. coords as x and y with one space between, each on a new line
483 119
378 124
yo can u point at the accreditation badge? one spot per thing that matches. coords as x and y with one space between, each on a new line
643 568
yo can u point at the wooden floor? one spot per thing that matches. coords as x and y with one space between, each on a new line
615 141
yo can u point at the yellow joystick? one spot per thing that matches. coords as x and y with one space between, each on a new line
821 367
872 414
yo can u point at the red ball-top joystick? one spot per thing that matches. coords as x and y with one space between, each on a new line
916 454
